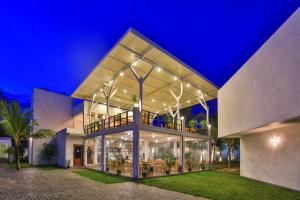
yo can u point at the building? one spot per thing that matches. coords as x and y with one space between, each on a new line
5 143
260 104
129 119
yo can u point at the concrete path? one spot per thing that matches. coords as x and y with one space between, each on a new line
33 183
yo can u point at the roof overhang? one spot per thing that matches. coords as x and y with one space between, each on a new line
169 72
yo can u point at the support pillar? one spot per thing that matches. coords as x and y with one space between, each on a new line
136 139
96 143
85 153
182 149
103 160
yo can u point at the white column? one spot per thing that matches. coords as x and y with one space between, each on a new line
135 130
85 153
103 160
96 143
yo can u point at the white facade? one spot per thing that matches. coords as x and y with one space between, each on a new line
262 100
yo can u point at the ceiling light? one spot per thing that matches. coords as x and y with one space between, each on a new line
188 101
153 100
156 141
124 91
164 104
199 91
153 136
169 138
134 63
121 74
110 82
175 78
188 85
101 90
158 69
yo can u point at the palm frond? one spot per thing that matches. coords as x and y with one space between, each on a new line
42 133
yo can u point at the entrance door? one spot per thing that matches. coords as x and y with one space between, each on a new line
77 155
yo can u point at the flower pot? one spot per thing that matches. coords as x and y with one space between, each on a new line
168 172
119 172
144 174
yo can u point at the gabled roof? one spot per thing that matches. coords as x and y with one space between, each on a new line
133 47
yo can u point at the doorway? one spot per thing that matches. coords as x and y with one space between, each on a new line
77 155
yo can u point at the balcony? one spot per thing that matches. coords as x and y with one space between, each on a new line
147 118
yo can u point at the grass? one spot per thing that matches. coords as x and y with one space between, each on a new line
222 186
101 177
224 164
22 164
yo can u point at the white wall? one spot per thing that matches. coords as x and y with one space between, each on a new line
267 87
52 111
278 164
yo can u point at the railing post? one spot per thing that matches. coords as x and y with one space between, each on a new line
114 121
148 120
127 117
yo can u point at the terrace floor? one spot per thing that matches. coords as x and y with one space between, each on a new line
35 183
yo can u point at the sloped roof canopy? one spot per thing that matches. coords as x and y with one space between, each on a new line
168 73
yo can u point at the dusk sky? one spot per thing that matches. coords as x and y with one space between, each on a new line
55 45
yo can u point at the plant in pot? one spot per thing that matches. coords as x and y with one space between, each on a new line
144 169
188 160
192 125
107 165
120 160
169 160
203 124
169 120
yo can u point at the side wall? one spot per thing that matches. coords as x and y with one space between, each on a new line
52 111
266 89
273 164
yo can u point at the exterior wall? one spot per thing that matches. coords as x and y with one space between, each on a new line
273 164
266 89
61 148
71 140
78 116
52 111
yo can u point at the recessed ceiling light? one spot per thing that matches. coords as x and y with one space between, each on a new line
121 74
164 104
101 90
188 101
158 69
124 91
134 63
175 78
188 85
153 100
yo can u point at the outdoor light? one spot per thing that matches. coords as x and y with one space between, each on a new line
158 69
121 74
208 125
182 117
275 140
136 105
188 85
124 91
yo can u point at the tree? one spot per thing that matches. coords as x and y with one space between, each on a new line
17 124
48 152
231 144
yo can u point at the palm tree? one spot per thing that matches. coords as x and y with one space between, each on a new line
17 124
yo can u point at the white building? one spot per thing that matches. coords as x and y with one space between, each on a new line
261 105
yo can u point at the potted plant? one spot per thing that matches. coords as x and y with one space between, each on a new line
120 162
203 124
169 161
169 120
188 160
144 169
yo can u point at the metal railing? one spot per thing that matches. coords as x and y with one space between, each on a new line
118 120
157 120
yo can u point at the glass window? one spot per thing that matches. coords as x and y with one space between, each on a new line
118 153
93 153
159 154
196 154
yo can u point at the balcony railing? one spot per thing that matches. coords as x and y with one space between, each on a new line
111 122
157 120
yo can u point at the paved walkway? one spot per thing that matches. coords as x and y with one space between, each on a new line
33 183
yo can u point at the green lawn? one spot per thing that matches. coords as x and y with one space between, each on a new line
222 185
101 177
22 164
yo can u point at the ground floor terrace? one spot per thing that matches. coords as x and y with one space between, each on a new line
140 149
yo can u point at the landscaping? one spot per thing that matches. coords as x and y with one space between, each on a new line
221 186
101 177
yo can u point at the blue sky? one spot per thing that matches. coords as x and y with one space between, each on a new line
56 44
